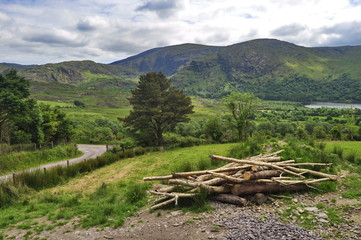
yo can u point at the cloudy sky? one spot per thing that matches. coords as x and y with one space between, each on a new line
43 31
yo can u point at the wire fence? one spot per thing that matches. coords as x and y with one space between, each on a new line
7 148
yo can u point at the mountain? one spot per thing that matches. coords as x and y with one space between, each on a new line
276 70
270 68
166 59
7 66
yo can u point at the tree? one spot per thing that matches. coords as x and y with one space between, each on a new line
213 129
241 105
157 107
14 92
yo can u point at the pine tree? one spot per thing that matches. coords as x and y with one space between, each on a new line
157 107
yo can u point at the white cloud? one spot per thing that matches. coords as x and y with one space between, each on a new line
51 31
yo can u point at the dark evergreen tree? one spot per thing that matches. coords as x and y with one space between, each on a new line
157 107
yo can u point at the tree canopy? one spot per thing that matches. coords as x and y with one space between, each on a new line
241 106
22 120
157 107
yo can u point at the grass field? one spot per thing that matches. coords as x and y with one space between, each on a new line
106 196
349 147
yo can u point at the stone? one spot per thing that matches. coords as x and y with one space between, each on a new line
176 213
322 215
311 209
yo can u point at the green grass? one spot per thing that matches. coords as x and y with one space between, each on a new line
23 160
113 193
348 147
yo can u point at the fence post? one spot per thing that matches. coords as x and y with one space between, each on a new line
67 163
44 170
34 146
13 177
107 146
52 144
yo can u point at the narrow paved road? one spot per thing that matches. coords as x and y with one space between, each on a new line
90 151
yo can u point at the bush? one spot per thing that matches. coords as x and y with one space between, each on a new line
175 140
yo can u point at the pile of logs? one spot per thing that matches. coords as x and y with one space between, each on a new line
264 173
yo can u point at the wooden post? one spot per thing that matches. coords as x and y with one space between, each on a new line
67 163
107 146
34 146
13 177
44 170
52 144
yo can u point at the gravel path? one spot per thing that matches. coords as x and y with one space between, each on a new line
252 228
90 151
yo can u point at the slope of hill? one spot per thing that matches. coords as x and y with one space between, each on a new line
277 70
7 66
74 72
166 59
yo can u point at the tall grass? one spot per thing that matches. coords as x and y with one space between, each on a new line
24 160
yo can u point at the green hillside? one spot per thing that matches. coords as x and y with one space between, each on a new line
276 70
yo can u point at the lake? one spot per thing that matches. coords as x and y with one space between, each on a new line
332 105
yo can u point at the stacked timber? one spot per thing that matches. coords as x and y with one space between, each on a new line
253 176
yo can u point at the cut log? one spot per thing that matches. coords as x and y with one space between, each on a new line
225 177
162 204
261 174
173 194
211 189
195 173
229 198
258 163
158 178
315 173
245 189
259 168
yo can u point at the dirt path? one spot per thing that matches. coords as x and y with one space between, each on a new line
90 151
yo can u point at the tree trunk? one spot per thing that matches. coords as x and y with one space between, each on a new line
253 188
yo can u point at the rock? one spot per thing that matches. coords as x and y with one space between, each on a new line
176 213
300 210
323 220
311 209
322 215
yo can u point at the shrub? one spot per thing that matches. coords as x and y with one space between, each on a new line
175 140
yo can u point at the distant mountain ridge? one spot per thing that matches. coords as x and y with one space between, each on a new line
270 68
166 59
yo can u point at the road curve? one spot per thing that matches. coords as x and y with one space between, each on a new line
90 151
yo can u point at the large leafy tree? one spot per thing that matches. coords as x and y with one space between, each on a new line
241 106
14 92
157 107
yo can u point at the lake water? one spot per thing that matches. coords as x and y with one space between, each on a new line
332 105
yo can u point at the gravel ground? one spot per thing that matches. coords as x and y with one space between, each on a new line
247 227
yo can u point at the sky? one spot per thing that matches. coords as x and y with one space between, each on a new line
50 31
